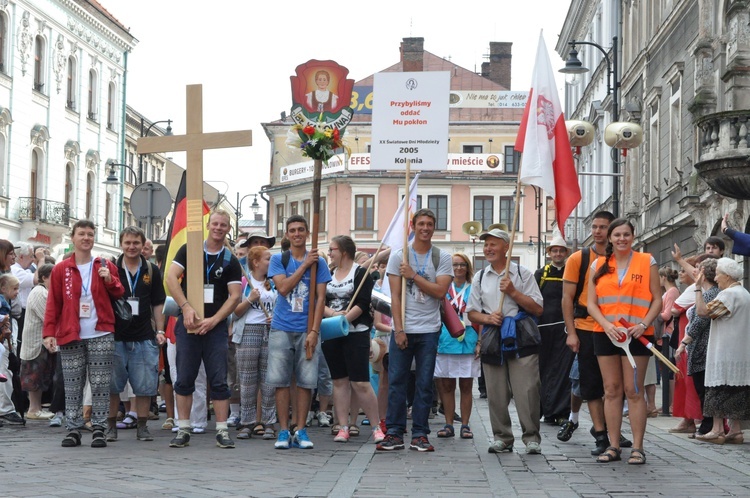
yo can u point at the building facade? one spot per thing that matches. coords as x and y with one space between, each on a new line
478 184
685 79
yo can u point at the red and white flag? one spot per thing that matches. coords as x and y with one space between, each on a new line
543 139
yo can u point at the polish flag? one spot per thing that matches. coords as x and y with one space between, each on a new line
543 139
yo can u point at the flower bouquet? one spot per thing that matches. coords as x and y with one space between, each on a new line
317 141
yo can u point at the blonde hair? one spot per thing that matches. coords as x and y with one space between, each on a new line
8 281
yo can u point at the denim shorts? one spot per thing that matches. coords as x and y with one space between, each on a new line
286 357
137 361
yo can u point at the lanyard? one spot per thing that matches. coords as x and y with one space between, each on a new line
421 271
218 257
88 278
458 297
133 283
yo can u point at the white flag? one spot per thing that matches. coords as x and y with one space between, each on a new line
394 235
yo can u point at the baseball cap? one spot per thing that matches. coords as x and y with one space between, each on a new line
497 233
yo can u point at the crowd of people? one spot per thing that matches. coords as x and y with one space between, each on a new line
280 335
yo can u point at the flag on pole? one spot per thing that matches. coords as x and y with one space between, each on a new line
543 140
177 234
394 235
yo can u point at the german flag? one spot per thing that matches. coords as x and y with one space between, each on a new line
177 235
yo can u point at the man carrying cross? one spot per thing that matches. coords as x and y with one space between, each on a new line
205 339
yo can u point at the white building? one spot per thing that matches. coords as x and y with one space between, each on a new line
62 81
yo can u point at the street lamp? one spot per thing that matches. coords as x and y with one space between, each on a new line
255 207
144 133
112 182
574 66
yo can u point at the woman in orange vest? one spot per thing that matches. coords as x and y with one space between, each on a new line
627 288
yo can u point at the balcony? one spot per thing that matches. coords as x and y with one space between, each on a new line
43 211
724 161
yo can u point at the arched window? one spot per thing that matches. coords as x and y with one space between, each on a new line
68 183
108 210
111 106
3 41
70 89
89 195
92 95
39 63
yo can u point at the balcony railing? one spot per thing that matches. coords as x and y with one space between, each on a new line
43 210
724 161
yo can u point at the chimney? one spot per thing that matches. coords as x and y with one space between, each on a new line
486 70
412 54
500 63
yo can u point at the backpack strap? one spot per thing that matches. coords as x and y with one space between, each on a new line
544 276
285 258
435 257
585 261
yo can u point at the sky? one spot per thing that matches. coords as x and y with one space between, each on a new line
244 52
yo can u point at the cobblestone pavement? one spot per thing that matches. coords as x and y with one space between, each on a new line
32 463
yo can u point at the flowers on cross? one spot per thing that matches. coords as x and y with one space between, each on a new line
318 141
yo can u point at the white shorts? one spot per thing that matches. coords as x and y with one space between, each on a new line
457 366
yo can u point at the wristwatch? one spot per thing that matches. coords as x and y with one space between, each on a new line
160 332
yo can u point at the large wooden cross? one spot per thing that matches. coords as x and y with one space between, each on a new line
194 142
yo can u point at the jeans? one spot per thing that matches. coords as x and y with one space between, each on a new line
423 349
137 361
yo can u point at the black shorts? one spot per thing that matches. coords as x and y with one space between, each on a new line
603 346
349 356
592 385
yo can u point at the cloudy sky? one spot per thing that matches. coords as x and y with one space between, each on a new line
243 54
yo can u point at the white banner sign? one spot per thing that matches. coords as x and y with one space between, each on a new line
477 163
487 98
410 120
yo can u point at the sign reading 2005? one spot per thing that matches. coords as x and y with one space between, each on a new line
410 120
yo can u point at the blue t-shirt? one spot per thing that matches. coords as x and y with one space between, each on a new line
283 316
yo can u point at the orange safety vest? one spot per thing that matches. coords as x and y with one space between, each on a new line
629 300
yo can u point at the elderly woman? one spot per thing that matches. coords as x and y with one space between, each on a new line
728 356
695 341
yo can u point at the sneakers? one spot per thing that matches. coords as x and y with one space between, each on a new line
324 420
233 420
142 434
181 440
3 378
500 447
566 431
223 440
533 448
13 418
111 434
390 442
198 430
382 426
39 415
301 440
421 443
342 436
56 421
377 435
282 442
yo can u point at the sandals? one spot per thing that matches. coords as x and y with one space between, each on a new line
98 439
712 437
71 440
466 432
637 457
244 433
335 428
612 454
259 430
446 431
734 438
128 422
353 430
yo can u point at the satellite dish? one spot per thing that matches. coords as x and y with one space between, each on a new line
471 227
501 226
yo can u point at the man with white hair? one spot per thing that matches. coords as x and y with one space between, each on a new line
21 269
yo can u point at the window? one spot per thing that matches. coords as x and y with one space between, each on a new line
70 87
472 149
108 210
280 220
484 206
507 205
92 95
126 217
438 204
551 214
652 178
512 158
89 196
364 217
38 63
322 215
675 131
68 183
294 208
419 201
306 210
3 39
111 106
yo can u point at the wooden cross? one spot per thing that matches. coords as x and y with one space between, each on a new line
194 142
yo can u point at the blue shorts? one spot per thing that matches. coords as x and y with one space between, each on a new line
286 357
137 361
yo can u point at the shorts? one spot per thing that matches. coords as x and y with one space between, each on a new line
325 381
592 385
349 356
37 374
137 362
603 346
286 357
165 359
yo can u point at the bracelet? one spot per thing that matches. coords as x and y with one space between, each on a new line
685 343
400 332
184 304
698 290
643 325
160 332
313 330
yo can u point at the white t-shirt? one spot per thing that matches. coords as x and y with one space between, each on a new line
88 325
339 294
255 314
